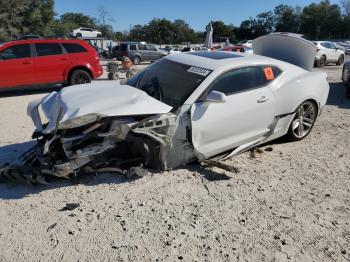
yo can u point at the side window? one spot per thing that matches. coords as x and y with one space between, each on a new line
240 80
151 48
133 47
43 49
15 52
142 47
332 46
73 48
324 45
276 71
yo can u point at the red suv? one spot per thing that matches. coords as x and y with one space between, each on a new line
41 62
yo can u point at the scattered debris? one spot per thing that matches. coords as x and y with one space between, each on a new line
252 153
269 149
221 165
51 227
70 207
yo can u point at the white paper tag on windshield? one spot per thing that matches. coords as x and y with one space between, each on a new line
198 71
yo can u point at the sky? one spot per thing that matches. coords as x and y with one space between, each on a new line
196 13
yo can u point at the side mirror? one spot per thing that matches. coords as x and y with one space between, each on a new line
216 97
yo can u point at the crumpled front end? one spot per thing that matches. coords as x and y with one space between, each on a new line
94 143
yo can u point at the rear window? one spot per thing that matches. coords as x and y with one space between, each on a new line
15 52
73 48
132 47
47 49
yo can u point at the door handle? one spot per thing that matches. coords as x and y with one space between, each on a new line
263 99
27 63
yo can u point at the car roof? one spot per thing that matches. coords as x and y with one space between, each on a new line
213 60
41 40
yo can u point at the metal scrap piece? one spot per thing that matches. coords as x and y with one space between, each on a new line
221 165
21 174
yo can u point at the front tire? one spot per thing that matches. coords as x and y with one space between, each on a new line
323 61
340 60
79 77
303 121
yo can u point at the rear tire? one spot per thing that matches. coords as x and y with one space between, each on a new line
303 122
340 60
99 35
79 77
136 60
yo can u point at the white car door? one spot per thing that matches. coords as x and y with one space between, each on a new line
246 114
332 51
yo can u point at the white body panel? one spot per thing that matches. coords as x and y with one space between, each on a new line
218 127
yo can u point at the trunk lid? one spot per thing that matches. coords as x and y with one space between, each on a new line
288 47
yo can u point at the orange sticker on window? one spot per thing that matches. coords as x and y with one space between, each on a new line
269 73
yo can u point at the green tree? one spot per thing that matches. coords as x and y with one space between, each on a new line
223 31
245 30
11 18
38 17
79 19
322 20
287 18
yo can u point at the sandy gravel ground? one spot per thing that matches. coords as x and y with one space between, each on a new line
288 204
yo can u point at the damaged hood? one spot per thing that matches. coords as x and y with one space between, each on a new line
102 98
287 47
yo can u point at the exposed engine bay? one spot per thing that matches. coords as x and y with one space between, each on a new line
113 144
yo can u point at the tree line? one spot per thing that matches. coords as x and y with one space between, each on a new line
321 20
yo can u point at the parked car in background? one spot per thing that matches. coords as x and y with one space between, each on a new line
345 47
194 49
174 51
43 62
237 48
86 32
102 53
188 49
248 43
328 52
138 52
346 78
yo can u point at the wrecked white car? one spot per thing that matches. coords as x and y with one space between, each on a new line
181 109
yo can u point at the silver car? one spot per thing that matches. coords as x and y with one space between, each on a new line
138 52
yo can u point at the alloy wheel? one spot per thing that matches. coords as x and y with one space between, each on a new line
304 119
81 79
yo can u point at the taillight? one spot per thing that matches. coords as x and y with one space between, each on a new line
318 49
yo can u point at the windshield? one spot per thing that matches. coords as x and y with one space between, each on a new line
169 82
